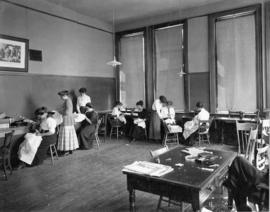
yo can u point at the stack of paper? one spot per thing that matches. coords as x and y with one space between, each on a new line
148 168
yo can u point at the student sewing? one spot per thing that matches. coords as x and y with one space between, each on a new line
117 112
137 129
87 131
33 150
192 126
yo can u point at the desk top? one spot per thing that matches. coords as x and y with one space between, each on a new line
191 175
17 130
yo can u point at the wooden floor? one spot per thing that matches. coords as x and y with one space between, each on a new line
87 180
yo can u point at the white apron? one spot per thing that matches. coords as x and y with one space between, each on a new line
29 147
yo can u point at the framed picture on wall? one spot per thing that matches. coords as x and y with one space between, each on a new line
13 54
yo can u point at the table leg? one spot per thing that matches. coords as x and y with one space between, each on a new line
196 202
132 200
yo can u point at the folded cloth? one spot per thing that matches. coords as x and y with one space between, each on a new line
174 129
29 147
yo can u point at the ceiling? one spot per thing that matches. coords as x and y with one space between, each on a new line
128 10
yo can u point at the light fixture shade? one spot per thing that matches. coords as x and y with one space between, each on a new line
114 62
181 73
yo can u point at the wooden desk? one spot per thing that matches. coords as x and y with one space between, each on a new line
230 120
188 183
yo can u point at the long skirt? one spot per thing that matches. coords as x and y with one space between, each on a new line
155 126
41 154
137 132
86 136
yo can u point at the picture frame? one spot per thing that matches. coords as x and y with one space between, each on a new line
13 53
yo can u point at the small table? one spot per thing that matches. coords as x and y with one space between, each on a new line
188 183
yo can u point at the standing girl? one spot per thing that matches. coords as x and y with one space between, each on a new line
67 140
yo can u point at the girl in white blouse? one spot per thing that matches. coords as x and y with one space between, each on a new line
33 151
156 115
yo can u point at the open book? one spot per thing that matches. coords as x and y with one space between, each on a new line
148 168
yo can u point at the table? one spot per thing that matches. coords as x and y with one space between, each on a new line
189 183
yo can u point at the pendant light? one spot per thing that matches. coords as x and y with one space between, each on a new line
114 62
181 73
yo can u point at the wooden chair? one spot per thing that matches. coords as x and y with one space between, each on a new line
243 131
155 156
251 145
115 126
5 153
203 131
53 152
103 126
170 136
266 129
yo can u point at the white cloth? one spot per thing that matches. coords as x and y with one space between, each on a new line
193 125
83 100
29 147
79 117
49 125
140 123
157 106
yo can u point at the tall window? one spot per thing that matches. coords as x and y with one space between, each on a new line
132 70
169 62
236 64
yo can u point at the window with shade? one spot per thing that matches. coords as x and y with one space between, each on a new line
236 55
132 70
169 47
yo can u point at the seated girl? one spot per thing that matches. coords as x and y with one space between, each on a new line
192 126
137 130
33 150
86 133
117 112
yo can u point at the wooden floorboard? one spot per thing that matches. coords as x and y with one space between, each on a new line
88 180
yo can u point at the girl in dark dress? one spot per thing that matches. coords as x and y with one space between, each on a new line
86 134
137 129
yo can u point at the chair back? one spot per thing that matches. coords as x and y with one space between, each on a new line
158 152
98 125
8 138
266 128
114 122
251 145
204 125
243 132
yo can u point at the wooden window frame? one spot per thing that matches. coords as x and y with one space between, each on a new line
212 19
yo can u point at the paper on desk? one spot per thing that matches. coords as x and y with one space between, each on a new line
148 168
193 151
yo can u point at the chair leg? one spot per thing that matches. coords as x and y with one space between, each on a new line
55 151
177 138
117 131
97 140
159 203
9 165
165 140
111 133
51 151
5 171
